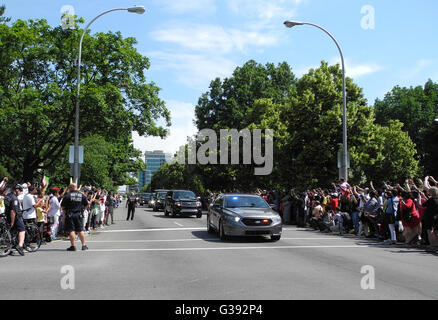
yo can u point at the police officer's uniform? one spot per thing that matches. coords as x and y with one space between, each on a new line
12 203
74 203
131 202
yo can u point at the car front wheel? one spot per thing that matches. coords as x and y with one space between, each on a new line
222 234
275 238
209 227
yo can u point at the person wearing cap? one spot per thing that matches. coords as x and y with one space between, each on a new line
14 216
74 203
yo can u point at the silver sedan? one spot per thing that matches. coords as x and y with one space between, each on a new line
243 215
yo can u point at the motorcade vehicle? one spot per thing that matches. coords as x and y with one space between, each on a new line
183 203
144 198
243 215
159 199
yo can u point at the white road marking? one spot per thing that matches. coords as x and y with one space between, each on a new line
227 248
182 240
168 229
148 230
178 224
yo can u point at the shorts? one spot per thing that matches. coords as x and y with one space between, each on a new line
19 224
74 222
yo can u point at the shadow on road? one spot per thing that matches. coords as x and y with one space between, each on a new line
204 235
162 216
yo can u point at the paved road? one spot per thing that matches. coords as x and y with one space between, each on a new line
157 257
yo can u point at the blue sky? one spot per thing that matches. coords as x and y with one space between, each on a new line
191 42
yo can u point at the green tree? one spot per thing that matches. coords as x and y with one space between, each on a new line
177 176
37 96
233 104
306 116
2 12
416 108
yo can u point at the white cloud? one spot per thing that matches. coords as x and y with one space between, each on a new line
182 114
213 38
195 71
264 12
419 67
357 70
352 70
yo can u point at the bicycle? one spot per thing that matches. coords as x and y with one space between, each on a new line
33 238
5 237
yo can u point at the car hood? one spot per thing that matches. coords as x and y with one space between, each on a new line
253 212
187 200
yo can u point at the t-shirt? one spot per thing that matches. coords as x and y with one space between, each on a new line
54 207
431 211
74 202
132 200
372 206
12 203
334 203
392 205
29 211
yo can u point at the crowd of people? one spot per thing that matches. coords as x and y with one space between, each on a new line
46 208
391 214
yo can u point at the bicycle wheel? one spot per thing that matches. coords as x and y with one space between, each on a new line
33 238
5 243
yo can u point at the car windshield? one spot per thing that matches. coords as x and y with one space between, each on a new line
245 202
161 195
187 195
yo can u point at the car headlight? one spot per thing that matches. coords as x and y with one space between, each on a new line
199 204
276 219
236 219
178 204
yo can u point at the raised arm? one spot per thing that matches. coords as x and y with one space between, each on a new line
372 186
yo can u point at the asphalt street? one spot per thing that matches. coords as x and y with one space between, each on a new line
164 258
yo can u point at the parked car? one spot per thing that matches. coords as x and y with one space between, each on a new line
159 199
243 215
182 202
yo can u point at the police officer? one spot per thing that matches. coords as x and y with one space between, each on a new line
14 214
131 203
74 204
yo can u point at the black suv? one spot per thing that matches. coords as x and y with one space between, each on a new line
182 202
159 197
144 198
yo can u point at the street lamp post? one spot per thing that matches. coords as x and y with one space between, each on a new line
343 171
135 9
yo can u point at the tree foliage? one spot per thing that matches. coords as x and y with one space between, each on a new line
38 95
306 116
416 108
2 12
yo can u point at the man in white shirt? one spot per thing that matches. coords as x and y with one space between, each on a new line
54 211
29 204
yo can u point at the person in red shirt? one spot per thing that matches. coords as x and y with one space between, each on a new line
334 202
410 218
